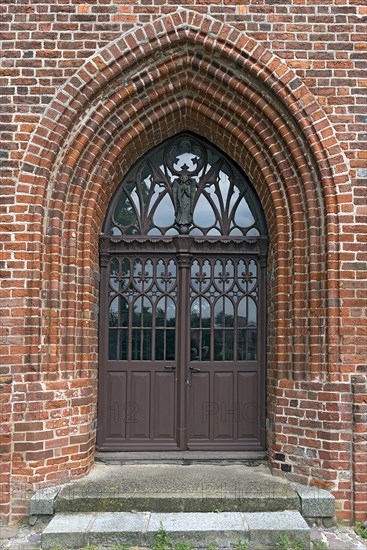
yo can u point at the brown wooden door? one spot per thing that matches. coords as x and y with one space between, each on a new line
182 339
139 385
183 357
226 385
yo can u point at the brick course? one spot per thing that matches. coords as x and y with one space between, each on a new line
86 89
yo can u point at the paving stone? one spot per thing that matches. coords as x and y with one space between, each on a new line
315 502
43 502
266 528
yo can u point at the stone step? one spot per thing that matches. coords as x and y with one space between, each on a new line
248 458
200 530
174 488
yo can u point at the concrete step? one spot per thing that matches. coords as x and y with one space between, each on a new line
177 488
200 530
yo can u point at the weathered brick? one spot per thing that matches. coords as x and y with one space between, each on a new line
282 95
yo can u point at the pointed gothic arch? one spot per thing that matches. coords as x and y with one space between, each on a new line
185 71
182 323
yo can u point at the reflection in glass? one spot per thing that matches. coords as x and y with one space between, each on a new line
123 344
114 271
200 329
112 344
113 313
142 315
252 313
227 316
124 214
165 333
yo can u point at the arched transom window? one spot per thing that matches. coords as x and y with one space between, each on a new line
185 186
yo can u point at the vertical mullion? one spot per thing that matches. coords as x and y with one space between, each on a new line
130 316
142 309
154 302
165 328
202 328
212 316
118 310
184 262
247 310
235 310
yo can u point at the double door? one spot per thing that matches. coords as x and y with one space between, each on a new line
182 351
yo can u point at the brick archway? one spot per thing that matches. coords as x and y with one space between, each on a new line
185 71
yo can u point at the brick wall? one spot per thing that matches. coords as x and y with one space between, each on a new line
280 87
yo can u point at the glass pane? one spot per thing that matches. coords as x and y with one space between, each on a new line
112 344
252 313
170 312
242 313
241 345
205 313
124 312
219 313
125 274
235 232
229 345
147 313
228 313
205 345
136 341
159 344
195 313
137 312
115 231
213 231
253 232
154 231
203 214
164 216
147 344
124 213
113 313
195 345
170 344
243 216
218 345
160 313
114 271
123 344
252 344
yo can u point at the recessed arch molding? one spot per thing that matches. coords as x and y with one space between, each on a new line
185 72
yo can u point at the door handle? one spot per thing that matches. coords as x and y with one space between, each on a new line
171 367
194 369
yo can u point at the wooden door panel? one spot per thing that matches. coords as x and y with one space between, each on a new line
139 396
164 408
224 416
199 407
248 389
117 405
